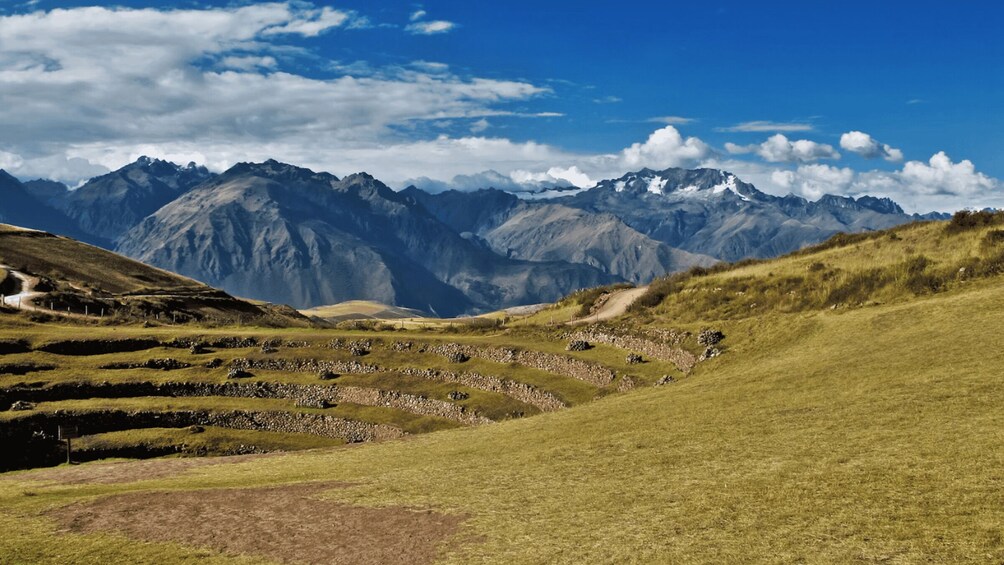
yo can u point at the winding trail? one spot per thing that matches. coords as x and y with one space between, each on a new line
616 305
23 299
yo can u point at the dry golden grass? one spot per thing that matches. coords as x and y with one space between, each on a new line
866 434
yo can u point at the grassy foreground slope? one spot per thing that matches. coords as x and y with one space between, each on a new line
856 434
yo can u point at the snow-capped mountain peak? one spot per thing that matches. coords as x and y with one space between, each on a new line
681 183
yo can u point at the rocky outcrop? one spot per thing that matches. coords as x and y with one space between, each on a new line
709 337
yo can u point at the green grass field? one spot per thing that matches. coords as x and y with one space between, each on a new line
868 433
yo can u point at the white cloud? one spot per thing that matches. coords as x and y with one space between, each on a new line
939 184
211 82
71 171
248 63
10 161
608 100
311 23
665 148
554 177
868 147
779 149
764 126
941 176
417 15
480 126
813 181
670 120
431 27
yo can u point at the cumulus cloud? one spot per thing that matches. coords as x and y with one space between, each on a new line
941 176
554 177
779 149
417 15
764 126
938 184
868 147
432 27
665 148
813 181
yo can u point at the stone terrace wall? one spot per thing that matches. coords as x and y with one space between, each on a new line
665 351
273 421
305 394
591 373
520 391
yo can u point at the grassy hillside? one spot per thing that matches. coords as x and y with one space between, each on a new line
869 432
361 310
82 282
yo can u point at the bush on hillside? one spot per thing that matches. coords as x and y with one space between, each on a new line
966 220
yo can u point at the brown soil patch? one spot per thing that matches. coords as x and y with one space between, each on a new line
123 471
287 523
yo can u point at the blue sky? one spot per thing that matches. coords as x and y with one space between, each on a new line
539 92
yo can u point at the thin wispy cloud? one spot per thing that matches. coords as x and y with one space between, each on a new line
670 120
430 28
766 126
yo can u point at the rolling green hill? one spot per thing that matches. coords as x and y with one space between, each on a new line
851 414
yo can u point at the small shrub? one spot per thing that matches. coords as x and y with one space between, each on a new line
966 220
993 238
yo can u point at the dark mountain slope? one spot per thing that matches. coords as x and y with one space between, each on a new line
19 207
550 231
109 205
292 235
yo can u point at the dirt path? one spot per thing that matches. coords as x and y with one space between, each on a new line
616 305
288 524
23 299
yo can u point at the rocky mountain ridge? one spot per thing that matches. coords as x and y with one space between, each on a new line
288 234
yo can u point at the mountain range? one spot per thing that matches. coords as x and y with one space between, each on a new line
282 233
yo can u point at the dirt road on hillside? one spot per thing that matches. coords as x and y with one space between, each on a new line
23 299
616 305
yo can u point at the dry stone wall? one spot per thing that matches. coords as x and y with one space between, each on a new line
549 362
665 350
303 395
520 391
272 421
